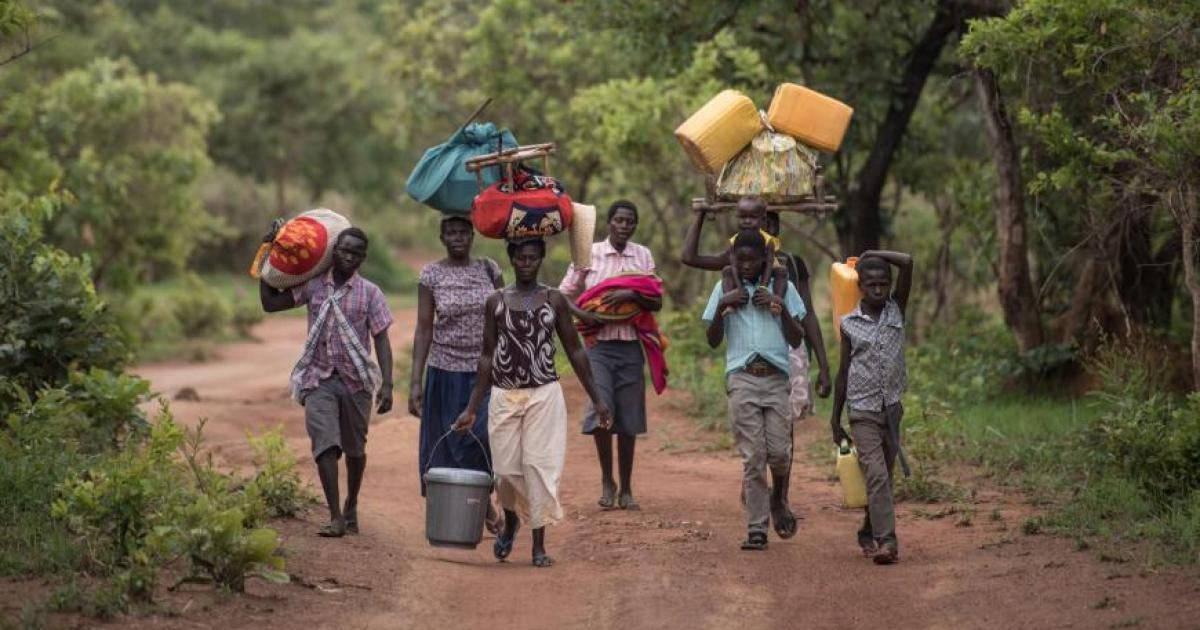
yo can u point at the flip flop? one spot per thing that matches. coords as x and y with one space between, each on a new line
756 541
332 531
606 496
501 548
627 502
351 517
784 522
542 561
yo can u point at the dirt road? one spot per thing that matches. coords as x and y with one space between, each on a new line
674 564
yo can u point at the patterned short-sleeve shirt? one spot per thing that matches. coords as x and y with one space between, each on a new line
365 308
877 374
459 292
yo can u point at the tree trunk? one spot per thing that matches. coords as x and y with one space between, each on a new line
862 204
1146 280
1014 285
1185 212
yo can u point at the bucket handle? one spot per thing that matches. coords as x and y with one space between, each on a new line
445 435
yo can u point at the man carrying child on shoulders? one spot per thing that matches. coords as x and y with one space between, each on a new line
759 327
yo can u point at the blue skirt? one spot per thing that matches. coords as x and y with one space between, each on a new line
446 395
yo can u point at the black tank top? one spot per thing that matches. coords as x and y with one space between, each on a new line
524 355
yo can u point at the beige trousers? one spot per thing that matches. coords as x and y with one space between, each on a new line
762 432
527 429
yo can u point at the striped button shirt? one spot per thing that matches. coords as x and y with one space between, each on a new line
877 373
367 311
606 263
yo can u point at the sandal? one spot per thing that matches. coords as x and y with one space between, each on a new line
502 547
756 541
333 530
606 495
542 561
627 502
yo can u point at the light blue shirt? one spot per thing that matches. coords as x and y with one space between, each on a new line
751 331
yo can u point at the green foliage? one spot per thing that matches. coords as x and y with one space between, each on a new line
53 320
697 368
129 149
382 268
184 316
1154 441
277 482
200 310
139 509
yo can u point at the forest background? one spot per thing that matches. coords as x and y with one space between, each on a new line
1038 158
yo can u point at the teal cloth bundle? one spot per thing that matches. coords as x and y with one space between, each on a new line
440 179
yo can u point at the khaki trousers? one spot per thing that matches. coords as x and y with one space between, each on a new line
527 429
761 420
877 456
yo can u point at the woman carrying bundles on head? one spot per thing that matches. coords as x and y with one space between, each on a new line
527 416
446 349
615 347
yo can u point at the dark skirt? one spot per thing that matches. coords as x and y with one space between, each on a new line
617 367
446 395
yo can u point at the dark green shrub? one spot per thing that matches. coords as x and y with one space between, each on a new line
53 321
201 310
1155 441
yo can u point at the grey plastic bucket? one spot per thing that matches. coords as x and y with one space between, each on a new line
456 501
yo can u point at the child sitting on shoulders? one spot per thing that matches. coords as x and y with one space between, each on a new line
751 214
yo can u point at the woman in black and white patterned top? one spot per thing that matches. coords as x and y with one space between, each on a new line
527 415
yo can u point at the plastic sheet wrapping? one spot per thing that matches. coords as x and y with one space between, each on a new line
773 166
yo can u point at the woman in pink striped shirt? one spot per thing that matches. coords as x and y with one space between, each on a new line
616 359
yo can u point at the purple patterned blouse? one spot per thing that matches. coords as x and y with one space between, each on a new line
458 296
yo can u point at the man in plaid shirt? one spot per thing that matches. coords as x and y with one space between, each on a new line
335 379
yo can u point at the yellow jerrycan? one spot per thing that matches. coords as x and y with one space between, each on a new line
854 485
843 292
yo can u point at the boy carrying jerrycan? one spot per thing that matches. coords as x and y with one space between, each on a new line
870 381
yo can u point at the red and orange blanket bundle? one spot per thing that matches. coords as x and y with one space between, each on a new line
654 343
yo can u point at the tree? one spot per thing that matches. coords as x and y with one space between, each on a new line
1104 91
304 109
622 126
1013 282
128 149
877 56
1074 69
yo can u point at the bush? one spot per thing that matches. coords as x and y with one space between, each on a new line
696 367
1155 441
138 510
53 320
382 268
200 310
246 315
277 482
